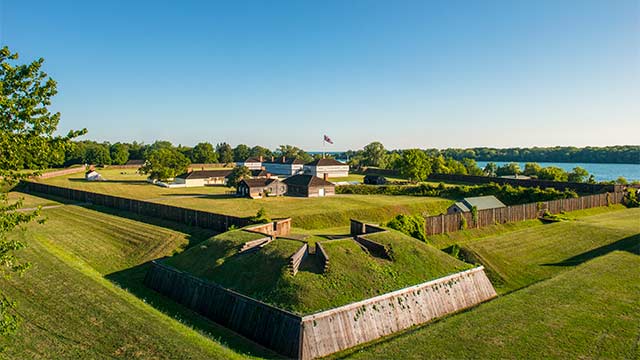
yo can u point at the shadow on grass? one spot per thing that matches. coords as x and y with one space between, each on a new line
132 280
127 182
204 196
630 244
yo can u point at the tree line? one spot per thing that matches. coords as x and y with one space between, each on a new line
619 154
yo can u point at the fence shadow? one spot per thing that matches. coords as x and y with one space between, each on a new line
132 280
630 244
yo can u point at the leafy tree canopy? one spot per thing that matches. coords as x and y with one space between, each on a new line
164 163
204 153
236 176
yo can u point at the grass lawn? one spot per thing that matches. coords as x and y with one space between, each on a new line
30 201
520 258
589 312
353 275
71 310
306 213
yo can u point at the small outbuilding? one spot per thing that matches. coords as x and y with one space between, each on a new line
258 188
309 186
253 163
479 202
92 175
203 178
375 180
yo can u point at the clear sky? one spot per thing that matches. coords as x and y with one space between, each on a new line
407 73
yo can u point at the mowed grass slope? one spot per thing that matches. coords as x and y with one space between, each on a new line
522 257
308 213
354 274
589 312
71 311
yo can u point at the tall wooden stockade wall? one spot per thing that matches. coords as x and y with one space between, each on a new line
267 325
341 328
326 332
558 185
67 171
204 219
440 224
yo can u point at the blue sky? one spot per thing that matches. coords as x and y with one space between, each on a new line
407 73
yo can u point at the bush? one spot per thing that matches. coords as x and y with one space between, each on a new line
631 198
261 217
463 222
410 225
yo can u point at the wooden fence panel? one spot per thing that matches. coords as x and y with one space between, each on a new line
218 222
337 329
440 224
269 326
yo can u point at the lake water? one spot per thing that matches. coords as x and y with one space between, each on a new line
602 172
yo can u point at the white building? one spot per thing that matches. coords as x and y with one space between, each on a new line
253 163
283 166
331 167
93 175
203 178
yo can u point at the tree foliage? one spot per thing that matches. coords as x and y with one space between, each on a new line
241 152
412 225
225 153
374 154
238 173
27 141
204 153
415 165
119 153
97 155
164 163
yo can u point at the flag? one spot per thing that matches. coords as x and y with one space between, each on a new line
328 139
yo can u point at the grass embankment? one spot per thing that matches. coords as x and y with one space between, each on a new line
354 274
590 312
308 213
29 201
523 257
70 310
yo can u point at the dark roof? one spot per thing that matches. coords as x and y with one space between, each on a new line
253 159
326 162
205 174
279 160
253 183
135 162
256 173
306 180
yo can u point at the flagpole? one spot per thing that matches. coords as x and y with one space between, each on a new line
323 144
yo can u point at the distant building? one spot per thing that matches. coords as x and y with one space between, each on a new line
309 186
330 167
93 175
519 177
374 180
253 163
480 202
258 188
283 166
203 178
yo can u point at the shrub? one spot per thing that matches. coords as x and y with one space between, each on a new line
261 217
463 223
631 198
410 225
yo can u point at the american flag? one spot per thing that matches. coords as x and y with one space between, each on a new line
328 139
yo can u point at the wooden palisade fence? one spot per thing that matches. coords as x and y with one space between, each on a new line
204 219
325 332
441 224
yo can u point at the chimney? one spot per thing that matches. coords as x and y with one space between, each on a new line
273 159
268 175
325 177
203 168
284 159
190 169
263 168
261 158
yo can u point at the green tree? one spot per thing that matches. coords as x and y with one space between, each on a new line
553 173
258 151
410 225
204 153
415 165
472 167
27 141
374 154
511 168
119 153
164 163
290 151
621 180
236 176
97 154
225 153
532 169
578 174
241 152
491 169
